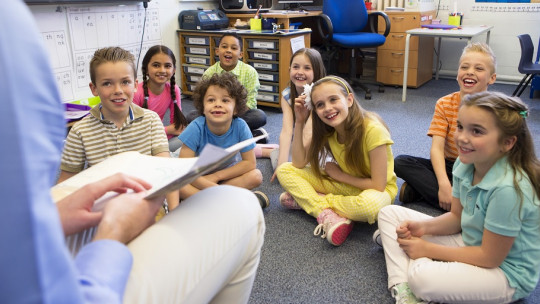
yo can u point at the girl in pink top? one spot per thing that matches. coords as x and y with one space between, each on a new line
159 92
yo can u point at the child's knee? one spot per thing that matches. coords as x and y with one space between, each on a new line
284 169
420 278
254 178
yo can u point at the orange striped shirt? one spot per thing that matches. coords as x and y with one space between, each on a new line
444 123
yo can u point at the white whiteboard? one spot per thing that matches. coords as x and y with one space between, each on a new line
73 33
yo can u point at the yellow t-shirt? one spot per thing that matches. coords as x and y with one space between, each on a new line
375 135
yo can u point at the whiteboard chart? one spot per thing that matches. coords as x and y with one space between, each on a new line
72 34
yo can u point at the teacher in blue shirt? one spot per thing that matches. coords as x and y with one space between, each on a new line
206 250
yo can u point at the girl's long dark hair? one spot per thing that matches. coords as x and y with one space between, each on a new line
179 118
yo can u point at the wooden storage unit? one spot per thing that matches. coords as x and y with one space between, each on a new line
391 55
269 53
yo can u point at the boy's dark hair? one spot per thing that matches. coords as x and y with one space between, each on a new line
231 34
227 81
111 54
179 118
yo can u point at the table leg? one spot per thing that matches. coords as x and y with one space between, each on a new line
406 67
438 56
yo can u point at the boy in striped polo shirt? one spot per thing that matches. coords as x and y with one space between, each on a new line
115 125
429 180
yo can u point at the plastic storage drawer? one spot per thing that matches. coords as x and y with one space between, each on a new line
274 98
194 69
194 59
197 50
269 87
198 40
263 44
262 55
268 76
266 66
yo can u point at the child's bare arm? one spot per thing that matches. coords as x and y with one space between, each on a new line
378 159
248 163
439 166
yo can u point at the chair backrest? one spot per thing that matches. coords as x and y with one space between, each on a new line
348 16
538 51
527 50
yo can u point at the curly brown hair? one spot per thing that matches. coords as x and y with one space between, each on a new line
227 81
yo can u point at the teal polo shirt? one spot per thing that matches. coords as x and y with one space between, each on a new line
494 204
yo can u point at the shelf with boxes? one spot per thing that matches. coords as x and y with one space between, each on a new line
391 55
267 51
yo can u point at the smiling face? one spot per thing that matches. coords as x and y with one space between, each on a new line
475 73
229 51
160 69
331 104
301 72
115 86
478 138
219 106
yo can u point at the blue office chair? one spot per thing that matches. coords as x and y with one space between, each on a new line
344 25
526 65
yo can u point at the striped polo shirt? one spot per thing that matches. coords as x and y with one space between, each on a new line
94 138
444 123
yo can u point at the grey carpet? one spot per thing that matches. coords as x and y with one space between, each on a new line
297 267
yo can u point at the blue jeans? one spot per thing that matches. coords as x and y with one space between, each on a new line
419 174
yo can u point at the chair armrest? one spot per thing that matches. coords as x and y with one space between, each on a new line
324 23
373 22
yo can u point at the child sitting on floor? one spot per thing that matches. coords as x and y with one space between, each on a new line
219 99
359 181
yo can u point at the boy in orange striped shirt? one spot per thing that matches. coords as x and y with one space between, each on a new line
430 179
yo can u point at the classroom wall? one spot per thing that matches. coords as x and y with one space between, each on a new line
73 32
509 20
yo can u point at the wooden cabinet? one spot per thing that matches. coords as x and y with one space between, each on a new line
269 53
391 55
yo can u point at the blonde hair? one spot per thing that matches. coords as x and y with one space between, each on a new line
482 48
354 126
111 54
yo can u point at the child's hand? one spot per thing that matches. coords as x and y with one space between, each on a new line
333 170
408 229
445 197
300 110
414 247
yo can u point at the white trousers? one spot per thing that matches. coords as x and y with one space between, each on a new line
446 282
207 250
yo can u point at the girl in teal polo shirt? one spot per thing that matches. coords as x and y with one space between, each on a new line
487 248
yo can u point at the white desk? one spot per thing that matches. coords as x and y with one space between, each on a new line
467 31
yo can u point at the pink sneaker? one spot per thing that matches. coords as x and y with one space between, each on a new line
334 227
286 200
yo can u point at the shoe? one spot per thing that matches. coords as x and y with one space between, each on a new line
404 295
334 228
287 201
263 199
377 237
407 194
259 132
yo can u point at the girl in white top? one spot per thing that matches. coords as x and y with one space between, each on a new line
306 67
